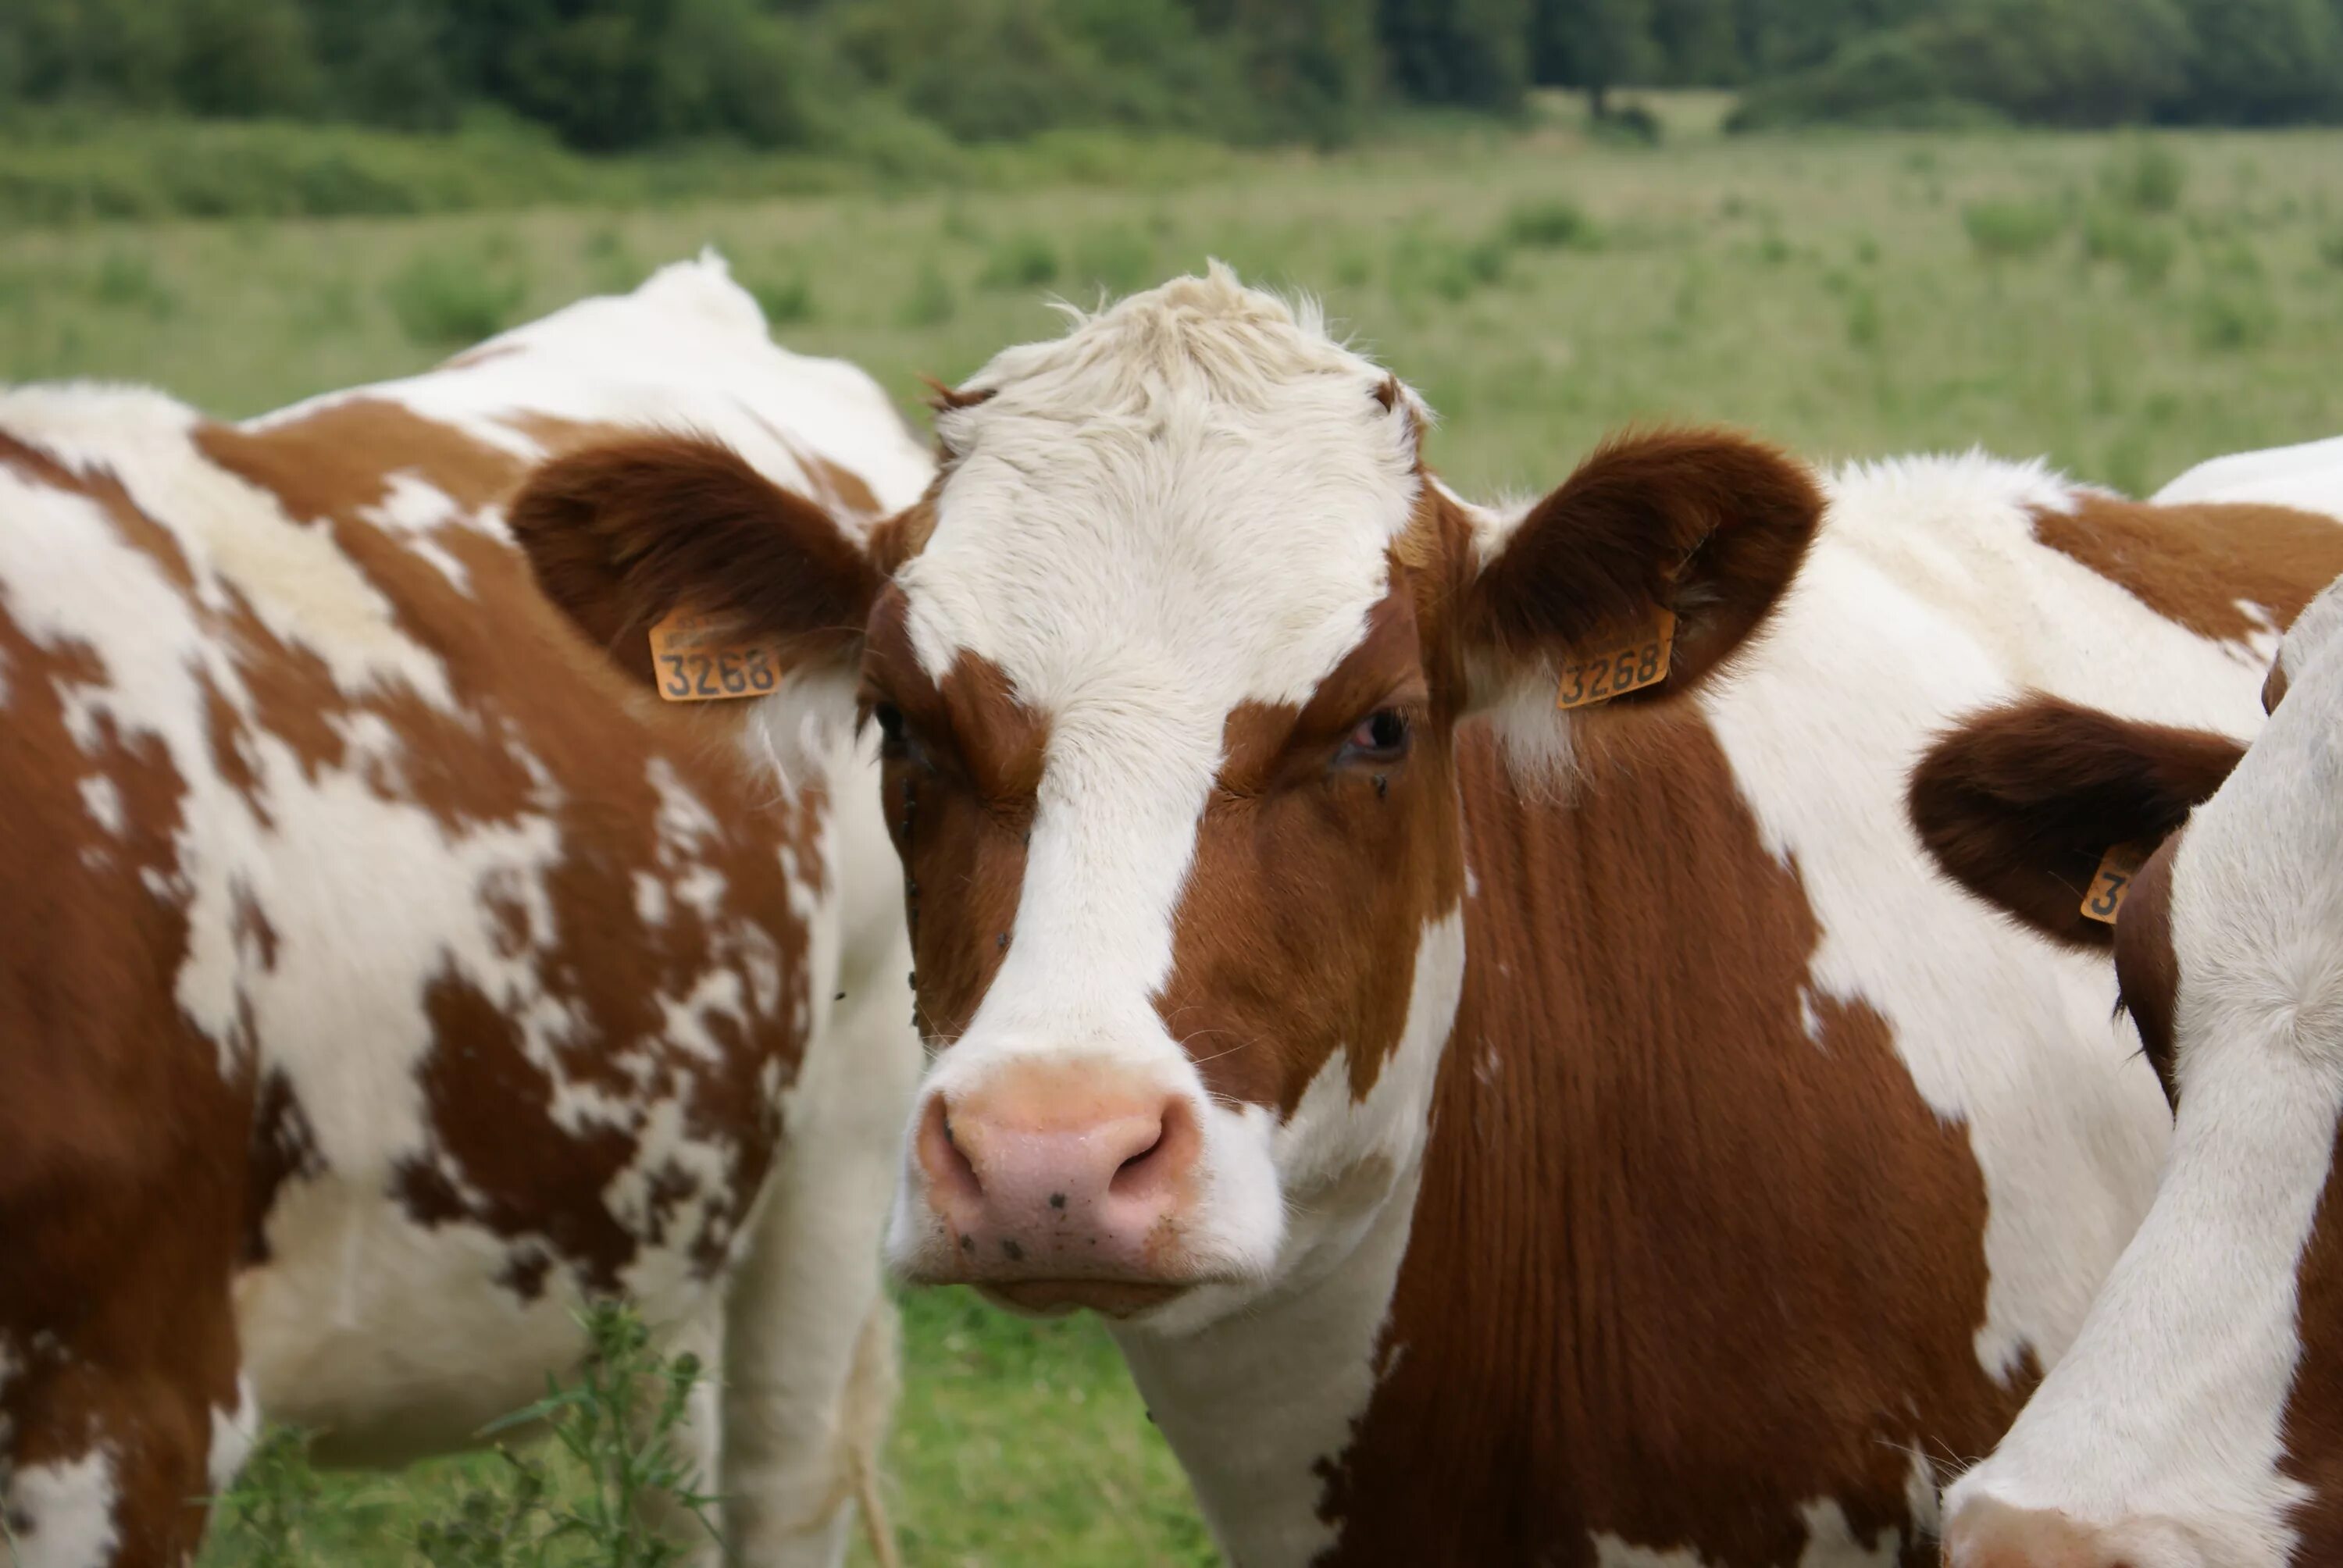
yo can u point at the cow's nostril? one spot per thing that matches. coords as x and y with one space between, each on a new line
1133 1170
947 1166
1152 1170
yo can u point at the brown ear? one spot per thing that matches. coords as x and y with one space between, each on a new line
619 535
1709 525
2018 804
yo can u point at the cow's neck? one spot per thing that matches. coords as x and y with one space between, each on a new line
1258 1404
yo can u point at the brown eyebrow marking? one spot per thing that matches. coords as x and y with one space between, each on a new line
974 713
1260 740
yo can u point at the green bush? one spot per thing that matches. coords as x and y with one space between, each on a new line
1471 53
442 299
783 300
1630 125
1551 225
2144 251
2233 316
2010 230
999 70
1024 260
931 302
1864 325
1426 263
2331 248
614 1432
126 281
2262 61
1117 258
2055 62
2146 176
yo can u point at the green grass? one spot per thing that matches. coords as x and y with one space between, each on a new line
1831 293
1018 1444
2125 346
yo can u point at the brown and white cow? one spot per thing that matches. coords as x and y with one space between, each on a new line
2198 1422
1623 1150
385 973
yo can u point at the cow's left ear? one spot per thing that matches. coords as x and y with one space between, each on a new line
621 534
1706 525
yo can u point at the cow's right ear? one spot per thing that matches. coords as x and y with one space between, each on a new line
2019 803
620 535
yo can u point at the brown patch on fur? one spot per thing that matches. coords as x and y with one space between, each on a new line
896 540
959 792
1711 524
2148 972
1313 879
2312 1426
339 459
2197 565
555 437
284 1149
2018 803
943 398
1677 1266
622 533
122 1181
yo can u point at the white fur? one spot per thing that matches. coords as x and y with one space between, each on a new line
67 1510
2162 1424
387 1334
2309 476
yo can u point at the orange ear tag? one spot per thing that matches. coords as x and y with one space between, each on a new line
694 661
2113 879
1637 659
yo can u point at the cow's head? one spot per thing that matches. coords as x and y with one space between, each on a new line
1170 666
2197 1421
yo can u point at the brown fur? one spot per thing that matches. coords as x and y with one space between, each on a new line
2312 1426
623 533
2147 974
957 791
2018 803
2197 565
1670 1251
1709 525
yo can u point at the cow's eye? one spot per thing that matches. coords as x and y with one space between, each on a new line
890 721
1381 737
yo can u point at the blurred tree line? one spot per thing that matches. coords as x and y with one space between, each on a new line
614 74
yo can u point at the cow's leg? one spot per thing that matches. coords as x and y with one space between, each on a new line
112 1442
810 1364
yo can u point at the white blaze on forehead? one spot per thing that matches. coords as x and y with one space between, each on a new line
1183 505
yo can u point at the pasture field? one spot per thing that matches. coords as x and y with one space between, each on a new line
2123 306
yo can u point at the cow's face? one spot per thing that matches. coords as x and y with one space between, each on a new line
1169 668
2197 1421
